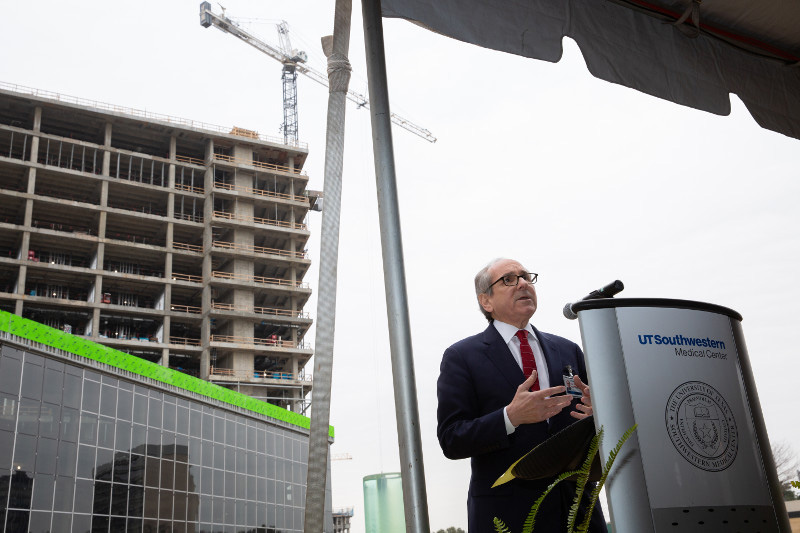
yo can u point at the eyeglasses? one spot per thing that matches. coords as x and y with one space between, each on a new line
512 280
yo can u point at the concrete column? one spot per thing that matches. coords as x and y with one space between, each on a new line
24 246
18 307
22 275
37 126
22 253
165 337
27 219
208 209
31 188
173 151
23 272
101 235
168 258
102 219
106 152
167 292
293 268
292 244
243 208
297 394
98 297
37 119
173 148
101 225
26 238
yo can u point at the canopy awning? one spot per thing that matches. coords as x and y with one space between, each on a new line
691 53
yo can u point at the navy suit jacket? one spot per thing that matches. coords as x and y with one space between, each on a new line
478 378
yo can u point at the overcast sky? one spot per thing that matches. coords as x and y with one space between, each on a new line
582 181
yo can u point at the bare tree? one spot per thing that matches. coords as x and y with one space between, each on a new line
787 465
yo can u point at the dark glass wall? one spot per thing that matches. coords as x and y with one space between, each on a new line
84 451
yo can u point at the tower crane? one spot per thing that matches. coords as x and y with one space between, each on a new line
293 61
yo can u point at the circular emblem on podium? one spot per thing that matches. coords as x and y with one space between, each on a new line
701 426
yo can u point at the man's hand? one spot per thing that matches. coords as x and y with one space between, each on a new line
531 407
584 408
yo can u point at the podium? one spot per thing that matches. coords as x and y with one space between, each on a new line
700 459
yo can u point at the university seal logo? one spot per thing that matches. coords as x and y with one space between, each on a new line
701 426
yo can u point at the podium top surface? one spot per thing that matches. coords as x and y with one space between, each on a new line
606 303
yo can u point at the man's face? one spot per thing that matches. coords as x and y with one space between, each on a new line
513 305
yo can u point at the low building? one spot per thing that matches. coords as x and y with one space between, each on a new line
94 439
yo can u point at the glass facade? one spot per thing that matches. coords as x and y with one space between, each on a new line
86 451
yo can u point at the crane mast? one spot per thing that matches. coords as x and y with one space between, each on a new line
289 127
294 62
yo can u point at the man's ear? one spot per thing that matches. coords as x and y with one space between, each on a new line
485 302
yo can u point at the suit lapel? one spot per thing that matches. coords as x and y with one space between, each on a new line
552 354
500 356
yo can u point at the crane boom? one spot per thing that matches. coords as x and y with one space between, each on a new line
209 18
295 61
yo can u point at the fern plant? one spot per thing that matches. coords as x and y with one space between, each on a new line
612 455
580 485
500 527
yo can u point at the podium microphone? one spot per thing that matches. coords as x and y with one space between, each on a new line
615 287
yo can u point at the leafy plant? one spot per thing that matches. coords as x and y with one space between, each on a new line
500 527
580 483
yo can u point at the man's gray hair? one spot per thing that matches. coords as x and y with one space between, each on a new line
482 285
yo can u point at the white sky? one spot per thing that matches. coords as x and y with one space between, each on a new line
582 181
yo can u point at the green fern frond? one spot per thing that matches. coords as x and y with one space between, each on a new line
606 469
500 527
531 519
613 454
583 478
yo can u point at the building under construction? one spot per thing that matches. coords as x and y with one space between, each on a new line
175 241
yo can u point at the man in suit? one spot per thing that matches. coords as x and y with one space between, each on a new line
500 395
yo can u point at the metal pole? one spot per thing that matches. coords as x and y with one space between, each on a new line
405 389
339 78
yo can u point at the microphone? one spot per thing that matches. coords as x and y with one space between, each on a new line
615 287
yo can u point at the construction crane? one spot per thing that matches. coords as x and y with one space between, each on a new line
293 61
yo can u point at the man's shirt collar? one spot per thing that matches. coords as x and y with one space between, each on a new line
507 331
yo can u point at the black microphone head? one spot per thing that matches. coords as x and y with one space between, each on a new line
610 290
569 313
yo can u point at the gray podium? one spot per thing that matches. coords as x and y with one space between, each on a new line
700 459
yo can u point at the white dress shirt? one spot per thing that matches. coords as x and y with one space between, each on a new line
509 335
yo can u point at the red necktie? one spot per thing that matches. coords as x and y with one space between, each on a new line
528 362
